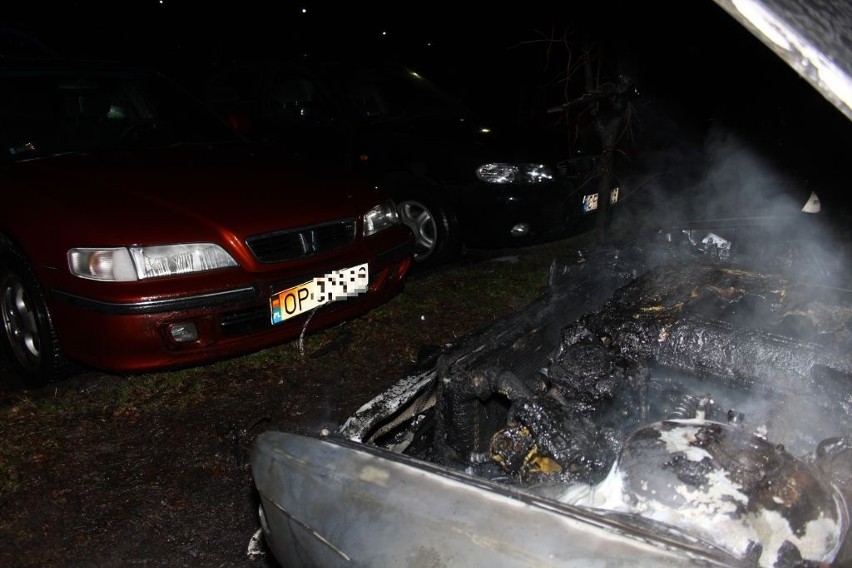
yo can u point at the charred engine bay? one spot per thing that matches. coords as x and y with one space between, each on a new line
740 339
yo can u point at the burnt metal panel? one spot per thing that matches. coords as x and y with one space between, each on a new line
814 37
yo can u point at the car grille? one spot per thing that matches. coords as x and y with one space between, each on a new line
305 241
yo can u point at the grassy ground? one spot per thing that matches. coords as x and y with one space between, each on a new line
112 458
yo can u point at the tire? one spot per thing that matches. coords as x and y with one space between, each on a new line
436 231
30 347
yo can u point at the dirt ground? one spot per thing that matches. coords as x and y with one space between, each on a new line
102 470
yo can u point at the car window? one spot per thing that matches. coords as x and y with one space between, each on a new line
234 91
295 98
180 117
369 99
399 94
44 114
93 113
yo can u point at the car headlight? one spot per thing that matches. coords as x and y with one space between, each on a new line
380 218
501 173
126 264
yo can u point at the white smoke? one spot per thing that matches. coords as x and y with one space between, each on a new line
722 177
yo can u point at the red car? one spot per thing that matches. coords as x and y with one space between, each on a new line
138 233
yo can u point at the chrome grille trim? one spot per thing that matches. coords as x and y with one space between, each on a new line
303 242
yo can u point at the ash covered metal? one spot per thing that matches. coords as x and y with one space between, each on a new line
744 345
714 479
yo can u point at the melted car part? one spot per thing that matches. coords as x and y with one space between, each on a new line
732 488
679 327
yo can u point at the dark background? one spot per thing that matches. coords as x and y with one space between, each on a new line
691 51
694 66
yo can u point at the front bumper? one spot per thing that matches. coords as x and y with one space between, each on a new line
139 336
495 216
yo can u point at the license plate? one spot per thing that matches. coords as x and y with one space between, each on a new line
332 287
590 201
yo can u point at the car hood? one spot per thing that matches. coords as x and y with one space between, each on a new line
735 341
452 149
187 193
503 142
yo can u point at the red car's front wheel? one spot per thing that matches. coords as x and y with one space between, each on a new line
28 337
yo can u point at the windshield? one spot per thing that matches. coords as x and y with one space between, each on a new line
47 113
399 94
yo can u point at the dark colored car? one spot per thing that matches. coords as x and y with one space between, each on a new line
456 182
138 232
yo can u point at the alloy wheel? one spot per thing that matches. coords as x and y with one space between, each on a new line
20 321
421 221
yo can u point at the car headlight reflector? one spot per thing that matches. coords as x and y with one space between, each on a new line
501 173
126 264
380 217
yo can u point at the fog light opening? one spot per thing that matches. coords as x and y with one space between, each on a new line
520 230
183 332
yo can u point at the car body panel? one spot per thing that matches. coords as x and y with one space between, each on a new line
127 199
811 37
388 516
139 342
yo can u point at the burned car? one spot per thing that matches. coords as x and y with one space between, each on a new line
679 400
139 233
